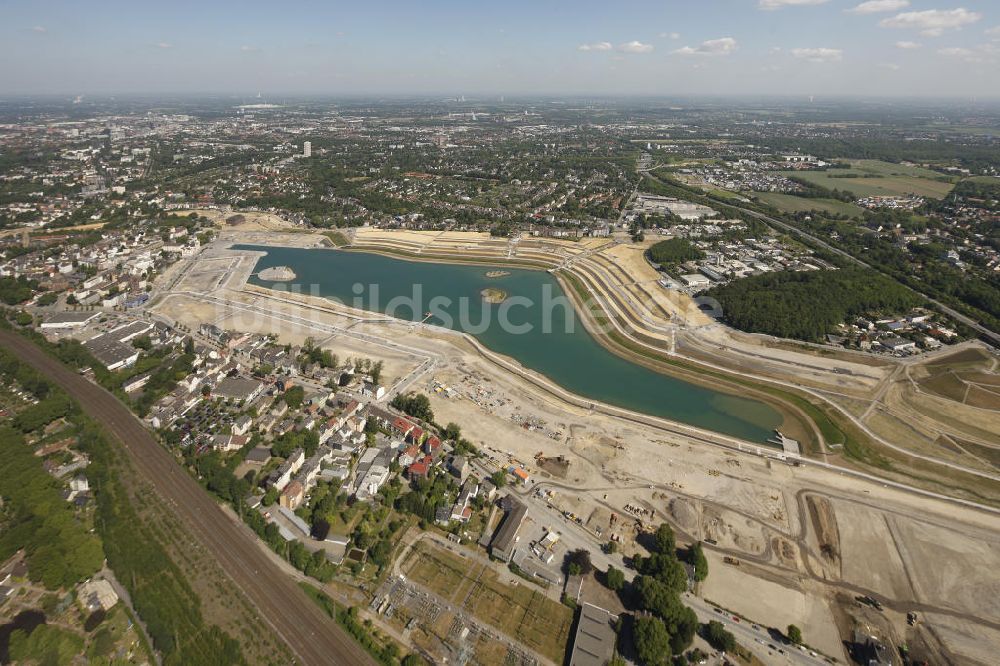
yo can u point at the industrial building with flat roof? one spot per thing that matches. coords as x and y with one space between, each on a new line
594 643
502 546
70 320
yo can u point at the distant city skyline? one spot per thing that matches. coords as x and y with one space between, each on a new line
716 47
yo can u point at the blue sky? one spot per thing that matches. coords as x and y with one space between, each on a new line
668 47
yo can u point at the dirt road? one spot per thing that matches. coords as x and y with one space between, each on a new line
312 636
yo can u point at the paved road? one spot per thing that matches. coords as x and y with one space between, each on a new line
758 641
312 636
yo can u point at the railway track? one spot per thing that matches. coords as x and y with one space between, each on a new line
313 637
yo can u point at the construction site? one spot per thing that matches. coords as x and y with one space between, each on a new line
910 521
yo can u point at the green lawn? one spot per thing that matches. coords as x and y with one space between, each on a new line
876 178
789 203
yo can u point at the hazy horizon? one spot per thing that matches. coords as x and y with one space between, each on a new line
827 48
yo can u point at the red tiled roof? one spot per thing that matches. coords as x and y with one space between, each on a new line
418 468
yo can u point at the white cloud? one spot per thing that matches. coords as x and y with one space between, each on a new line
596 46
670 35
956 52
994 31
818 54
778 4
876 6
164 45
712 47
891 66
249 49
635 47
907 45
39 28
932 22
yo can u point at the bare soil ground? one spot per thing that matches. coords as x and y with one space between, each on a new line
946 565
869 556
749 502
251 220
772 604
970 643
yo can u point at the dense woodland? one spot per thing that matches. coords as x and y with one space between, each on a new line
673 251
808 305
16 290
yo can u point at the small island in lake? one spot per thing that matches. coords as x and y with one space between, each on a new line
497 274
492 295
277 274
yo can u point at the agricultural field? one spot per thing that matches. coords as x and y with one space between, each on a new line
519 611
789 203
875 178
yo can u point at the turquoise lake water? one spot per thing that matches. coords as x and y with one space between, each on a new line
534 326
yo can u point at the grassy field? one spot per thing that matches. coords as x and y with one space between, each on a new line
336 237
789 203
876 178
519 611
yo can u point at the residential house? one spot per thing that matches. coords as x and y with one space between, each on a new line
459 467
241 425
292 495
281 476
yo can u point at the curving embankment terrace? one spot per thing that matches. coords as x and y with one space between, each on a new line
796 422
808 416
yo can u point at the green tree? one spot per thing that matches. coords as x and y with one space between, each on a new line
719 637
666 569
794 634
696 558
664 540
652 641
499 478
294 396
809 304
416 405
452 432
673 251
46 644
615 579
578 562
